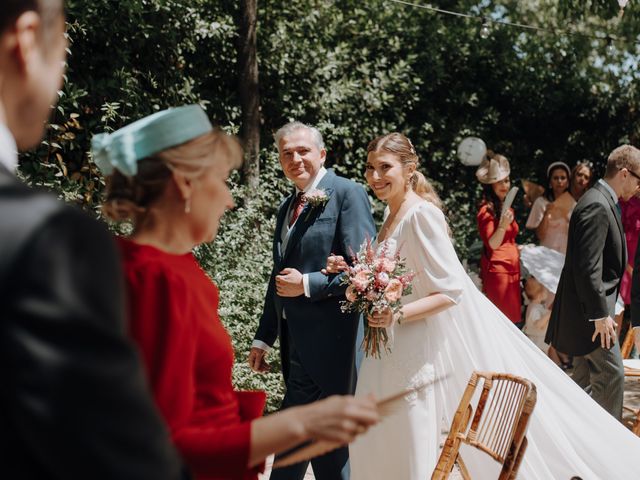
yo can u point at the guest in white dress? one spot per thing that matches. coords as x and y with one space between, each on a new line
549 217
448 329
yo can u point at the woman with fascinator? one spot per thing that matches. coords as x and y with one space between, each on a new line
167 174
500 261
445 330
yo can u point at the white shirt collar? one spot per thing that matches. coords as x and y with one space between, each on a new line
609 189
8 149
314 183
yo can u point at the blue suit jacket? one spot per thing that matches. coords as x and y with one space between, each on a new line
324 336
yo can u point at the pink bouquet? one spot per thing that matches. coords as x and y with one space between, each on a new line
376 281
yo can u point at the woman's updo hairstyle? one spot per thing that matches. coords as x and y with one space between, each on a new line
129 198
397 144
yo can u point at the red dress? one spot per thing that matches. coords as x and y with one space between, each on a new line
188 356
630 214
500 268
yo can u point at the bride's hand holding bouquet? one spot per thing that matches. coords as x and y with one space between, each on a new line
376 281
383 319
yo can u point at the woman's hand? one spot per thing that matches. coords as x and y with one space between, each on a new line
506 219
335 419
339 418
383 319
335 264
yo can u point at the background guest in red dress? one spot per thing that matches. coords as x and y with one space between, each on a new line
167 173
500 262
630 214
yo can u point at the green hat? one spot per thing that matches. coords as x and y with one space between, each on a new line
122 149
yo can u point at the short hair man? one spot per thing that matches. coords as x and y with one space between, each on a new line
581 321
302 305
74 403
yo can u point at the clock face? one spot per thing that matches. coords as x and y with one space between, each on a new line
471 151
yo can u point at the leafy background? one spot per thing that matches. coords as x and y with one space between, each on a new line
355 69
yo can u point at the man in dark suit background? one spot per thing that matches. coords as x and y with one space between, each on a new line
73 402
581 321
302 305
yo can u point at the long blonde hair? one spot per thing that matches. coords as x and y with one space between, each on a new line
399 145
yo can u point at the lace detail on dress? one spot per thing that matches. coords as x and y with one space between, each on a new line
407 369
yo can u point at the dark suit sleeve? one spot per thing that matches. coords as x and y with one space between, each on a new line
355 225
635 290
78 397
268 324
588 241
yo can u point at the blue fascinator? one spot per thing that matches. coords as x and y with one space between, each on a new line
122 149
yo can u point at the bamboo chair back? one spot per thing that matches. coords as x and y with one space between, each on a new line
497 425
627 344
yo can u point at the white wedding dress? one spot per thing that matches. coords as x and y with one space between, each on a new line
569 434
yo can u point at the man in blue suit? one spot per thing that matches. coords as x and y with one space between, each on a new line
325 215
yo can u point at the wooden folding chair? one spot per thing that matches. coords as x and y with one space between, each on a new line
627 344
497 426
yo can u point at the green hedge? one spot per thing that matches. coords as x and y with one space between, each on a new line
356 70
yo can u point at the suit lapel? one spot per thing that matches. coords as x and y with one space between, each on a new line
305 220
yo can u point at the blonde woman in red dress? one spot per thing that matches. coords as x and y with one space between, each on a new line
167 173
500 262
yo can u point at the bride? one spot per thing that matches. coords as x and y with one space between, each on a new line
448 329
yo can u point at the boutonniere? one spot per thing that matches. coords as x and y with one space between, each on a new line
316 198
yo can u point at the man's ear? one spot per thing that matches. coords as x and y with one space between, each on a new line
24 39
323 155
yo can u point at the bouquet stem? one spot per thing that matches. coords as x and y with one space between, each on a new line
375 341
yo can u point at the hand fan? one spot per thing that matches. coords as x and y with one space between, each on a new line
508 200
307 451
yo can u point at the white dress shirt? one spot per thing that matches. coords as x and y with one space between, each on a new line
8 149
284 233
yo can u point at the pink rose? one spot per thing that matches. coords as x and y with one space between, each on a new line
371 295
393 292
385 264
351 294
361 280
407 279
382 279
